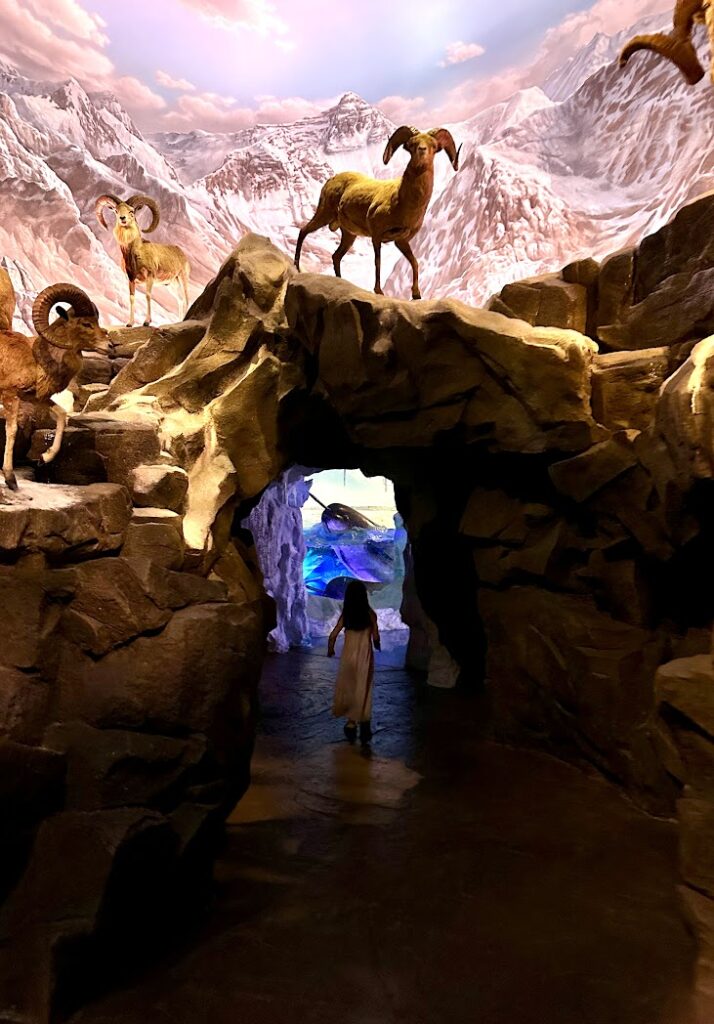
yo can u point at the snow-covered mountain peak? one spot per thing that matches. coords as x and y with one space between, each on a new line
585 165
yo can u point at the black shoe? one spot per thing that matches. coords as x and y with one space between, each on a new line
365 733
351 732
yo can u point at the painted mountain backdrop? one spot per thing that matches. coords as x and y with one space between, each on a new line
588 164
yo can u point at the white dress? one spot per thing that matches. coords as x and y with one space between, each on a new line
353 689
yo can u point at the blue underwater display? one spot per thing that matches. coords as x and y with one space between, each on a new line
346 545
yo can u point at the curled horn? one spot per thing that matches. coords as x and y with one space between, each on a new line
106 200
676 48
80 302
399 137
446 142
138 201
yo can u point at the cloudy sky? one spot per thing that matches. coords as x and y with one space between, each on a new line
225 64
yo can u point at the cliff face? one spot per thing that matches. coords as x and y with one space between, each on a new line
552 458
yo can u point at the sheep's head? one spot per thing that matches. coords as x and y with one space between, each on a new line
125 212
76 328
423 146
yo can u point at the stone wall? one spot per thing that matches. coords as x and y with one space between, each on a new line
127 689
552 460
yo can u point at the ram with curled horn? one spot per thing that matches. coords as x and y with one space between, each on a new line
385 211
145 262
677 45
34 369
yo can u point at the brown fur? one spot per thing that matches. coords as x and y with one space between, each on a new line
147 262
385 211
7 301
677 45
33 369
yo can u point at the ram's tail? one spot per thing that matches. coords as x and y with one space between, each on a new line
326 213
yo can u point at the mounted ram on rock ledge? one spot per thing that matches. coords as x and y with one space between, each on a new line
34 369
385 211
145 262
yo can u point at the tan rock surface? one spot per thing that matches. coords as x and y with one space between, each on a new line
64 520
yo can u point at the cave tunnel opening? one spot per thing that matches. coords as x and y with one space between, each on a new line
314 531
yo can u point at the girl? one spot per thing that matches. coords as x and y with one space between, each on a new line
353 689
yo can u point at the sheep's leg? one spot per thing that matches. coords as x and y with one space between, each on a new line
320 220
60 417
132 302
406 250
377 243
149 286
12 411
343 248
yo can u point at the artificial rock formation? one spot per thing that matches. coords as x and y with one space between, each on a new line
276 526
556 488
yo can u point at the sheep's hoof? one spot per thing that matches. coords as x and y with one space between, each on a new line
11 482
147 323
129 325
416 295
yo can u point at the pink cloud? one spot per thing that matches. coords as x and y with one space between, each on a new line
212 112
402 109
255 15
459 53
31 41
201 111
556 46
59 39
71 17
135 95
179 84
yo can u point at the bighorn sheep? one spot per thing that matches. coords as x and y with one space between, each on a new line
7 301
34 369
677 45
145 262
385 211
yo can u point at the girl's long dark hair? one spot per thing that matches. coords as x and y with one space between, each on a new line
356 611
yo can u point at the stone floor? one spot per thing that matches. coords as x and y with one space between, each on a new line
434 879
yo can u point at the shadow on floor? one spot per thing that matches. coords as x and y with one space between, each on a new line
436 879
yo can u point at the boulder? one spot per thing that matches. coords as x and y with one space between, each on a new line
662 292
584 475
556 659
687 686
54 912
159 487
110 768
548 301
110 607
195 675
155 534
615 291
64 521
96 369
101 448
626 387
685 413
24 705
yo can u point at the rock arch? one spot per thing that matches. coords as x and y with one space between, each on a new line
574 540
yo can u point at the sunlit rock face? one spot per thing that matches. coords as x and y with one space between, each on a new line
556 489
